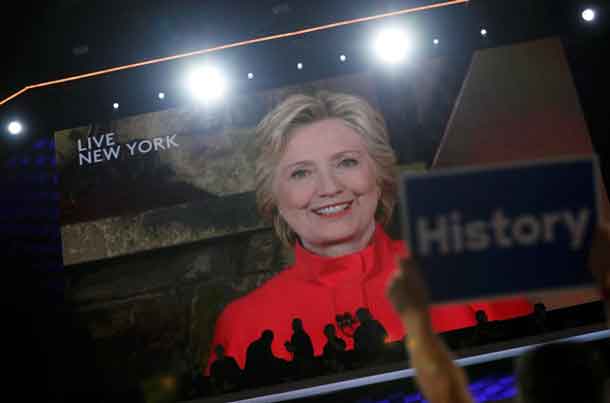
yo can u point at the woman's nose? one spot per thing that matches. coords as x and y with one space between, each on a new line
328 185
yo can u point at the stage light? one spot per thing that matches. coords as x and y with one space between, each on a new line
343 58
248 42
588 15
392 45
15 128
435 41
483 32
207 84
250 76
115 105
300 66
161 95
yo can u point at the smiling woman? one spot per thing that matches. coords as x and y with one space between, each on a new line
326 179
326 188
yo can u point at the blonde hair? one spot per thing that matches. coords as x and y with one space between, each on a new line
277 127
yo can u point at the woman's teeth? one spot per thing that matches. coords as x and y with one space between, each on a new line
332 209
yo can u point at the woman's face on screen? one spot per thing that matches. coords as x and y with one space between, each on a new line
325 188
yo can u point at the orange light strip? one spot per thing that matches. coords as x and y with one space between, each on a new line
232 45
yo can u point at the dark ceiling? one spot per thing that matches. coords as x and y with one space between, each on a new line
51 39
59 38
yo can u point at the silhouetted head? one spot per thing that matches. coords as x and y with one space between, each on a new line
540 310
267 336
561 372
297 324
481 316
539 307
220 351
329 331
363 314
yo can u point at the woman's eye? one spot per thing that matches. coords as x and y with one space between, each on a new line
348 162
299 174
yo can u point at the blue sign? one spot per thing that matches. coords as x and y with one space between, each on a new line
493 231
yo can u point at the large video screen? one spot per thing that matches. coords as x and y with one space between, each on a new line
172 267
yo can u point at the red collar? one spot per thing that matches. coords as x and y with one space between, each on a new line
357 266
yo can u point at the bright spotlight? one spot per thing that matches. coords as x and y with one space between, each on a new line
250 76
161 95
115 105
15 128
392 45
588 15
207 84
300 66
483 32
343 58
435 41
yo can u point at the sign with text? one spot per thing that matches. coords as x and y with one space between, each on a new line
494 231
102 148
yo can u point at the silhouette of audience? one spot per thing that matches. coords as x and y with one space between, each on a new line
485 331
347 324
369 338
262 367
334 350
540 317
225 373
301 347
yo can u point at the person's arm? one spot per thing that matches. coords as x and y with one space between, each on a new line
385 334
230 333
289 344
337 343
440 380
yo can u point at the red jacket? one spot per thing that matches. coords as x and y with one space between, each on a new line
316 289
